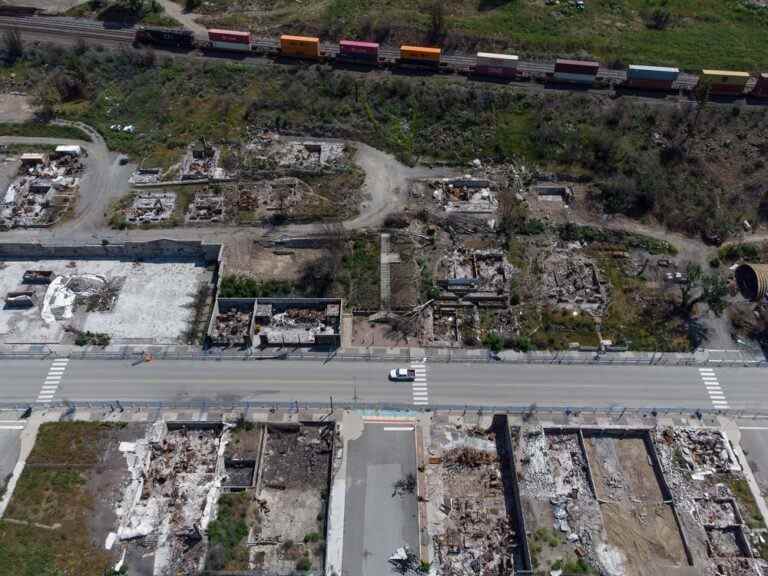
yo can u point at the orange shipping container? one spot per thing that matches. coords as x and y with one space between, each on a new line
420 53
303 46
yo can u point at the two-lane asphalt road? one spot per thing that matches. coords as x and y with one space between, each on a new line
447 384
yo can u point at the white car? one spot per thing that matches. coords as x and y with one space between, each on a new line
402 375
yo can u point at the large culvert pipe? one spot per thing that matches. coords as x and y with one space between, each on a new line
752 280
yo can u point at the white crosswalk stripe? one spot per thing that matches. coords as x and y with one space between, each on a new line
714 388
419 386
52 380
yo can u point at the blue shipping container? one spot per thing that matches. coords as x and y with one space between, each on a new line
639 72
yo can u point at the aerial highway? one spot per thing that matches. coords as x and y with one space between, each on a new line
439 384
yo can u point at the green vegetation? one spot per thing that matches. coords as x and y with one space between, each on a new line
303 564
227 533
637 316
88 338
554 329
239 286
694 170
358 278
572 566
747 504
312 537
132 11
43 130
53 491
746 252
691 35
493 341
617 239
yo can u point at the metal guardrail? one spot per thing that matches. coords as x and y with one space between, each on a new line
605 359
384 408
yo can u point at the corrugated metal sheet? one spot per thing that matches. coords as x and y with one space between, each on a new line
218 35
576 66
356 48
498 60
306 46
574 78
420 53
652 72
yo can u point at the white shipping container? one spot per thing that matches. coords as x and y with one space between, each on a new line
575 78
231 46
500 60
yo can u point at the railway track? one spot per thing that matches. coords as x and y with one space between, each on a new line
125 34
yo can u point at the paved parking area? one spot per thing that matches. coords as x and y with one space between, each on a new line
10 443
378 521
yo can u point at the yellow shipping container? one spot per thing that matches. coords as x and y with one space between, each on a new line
420 53
727 77
303 46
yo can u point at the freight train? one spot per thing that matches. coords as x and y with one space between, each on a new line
482 65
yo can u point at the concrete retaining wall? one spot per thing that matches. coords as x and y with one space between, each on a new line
168 250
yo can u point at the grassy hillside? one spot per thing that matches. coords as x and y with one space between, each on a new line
688 33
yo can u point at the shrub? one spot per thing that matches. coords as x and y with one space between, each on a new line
493 342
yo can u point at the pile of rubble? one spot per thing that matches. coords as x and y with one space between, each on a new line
167 503
42 190
93 292
201 162
151 207
206 207
232 327
471 531
146 176
573 282
465 195
271 152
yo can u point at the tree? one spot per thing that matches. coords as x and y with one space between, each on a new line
700 288
438 26
13 46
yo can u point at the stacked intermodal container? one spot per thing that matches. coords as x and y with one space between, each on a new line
503 65
651 77
724 82
420 55
300 46
761 88
576 71
360 51
229 40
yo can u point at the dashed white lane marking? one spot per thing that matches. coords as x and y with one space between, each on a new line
713 388
419 386
398 429
52 380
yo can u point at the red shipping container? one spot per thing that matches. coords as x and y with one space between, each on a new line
725 89
649 84
761 88
576 66
232 36
496 71
356 49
